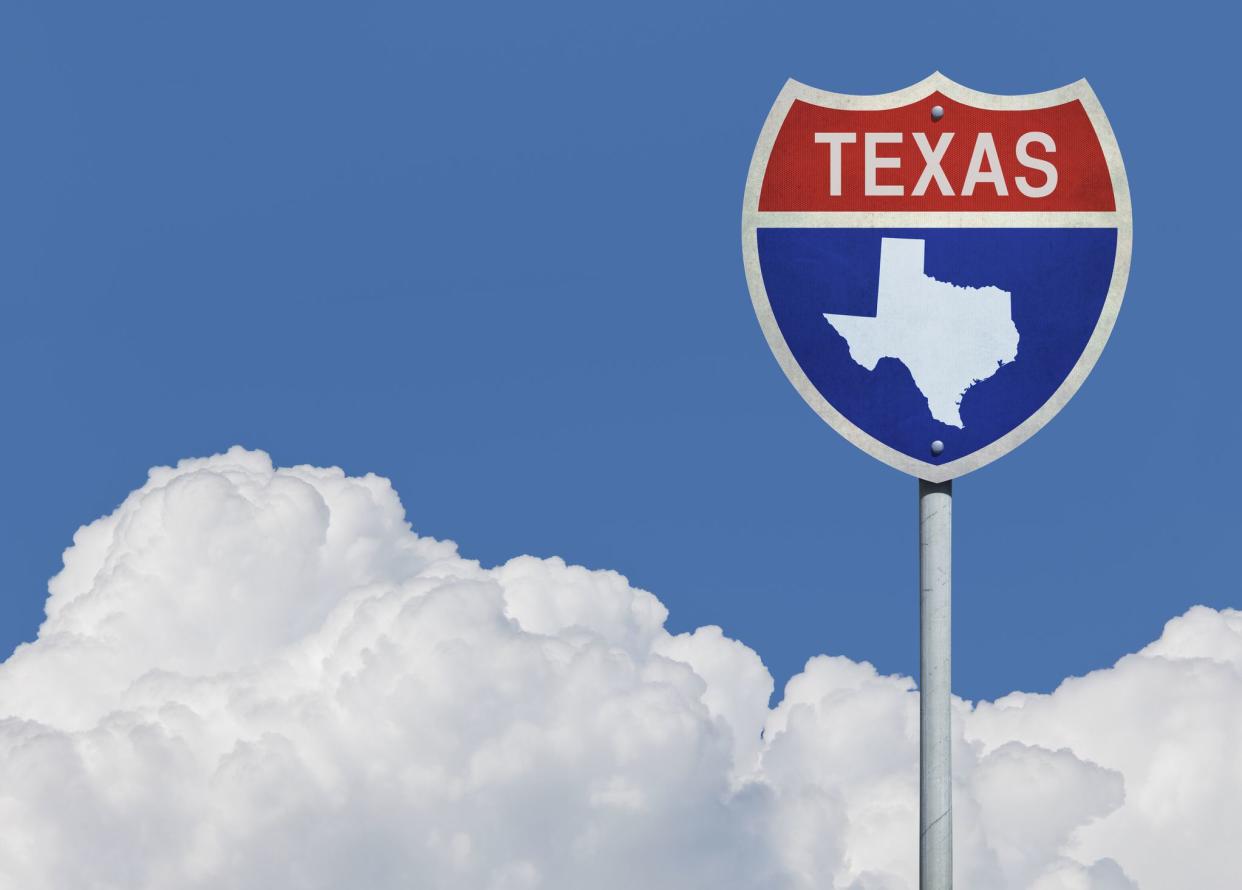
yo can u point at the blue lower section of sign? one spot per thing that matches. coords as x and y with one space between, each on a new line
1058 280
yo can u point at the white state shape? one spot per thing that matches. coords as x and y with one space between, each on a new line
949 337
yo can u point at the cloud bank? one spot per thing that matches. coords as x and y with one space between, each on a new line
252 677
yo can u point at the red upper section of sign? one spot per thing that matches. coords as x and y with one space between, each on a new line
799 172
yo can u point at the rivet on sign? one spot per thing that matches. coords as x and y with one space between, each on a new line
937 447
937 112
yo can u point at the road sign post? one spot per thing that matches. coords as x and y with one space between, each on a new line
937 271
935 684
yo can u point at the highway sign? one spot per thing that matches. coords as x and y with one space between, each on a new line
937 269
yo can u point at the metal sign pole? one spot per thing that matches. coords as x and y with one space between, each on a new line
935 673
816 226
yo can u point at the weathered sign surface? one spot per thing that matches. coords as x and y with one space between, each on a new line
937 269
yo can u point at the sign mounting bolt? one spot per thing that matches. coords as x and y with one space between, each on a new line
937 112
937 447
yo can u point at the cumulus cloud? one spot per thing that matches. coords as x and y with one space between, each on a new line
252 677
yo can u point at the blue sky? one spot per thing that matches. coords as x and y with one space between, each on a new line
492 253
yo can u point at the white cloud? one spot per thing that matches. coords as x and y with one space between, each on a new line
253 678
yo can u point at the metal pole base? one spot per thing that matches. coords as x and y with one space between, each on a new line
935 671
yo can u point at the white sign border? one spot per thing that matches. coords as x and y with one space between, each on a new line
753 219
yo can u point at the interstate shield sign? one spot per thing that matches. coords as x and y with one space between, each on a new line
936 269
